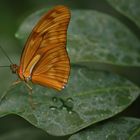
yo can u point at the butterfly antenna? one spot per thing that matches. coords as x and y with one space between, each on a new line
6 56
4 66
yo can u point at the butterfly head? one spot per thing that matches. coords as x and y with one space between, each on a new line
14 68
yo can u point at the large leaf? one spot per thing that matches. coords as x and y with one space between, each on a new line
130 8
118 129
94 37
91 96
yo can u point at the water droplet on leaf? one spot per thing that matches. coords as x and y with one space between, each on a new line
70 112
53 107
64 108
69 100
54 99
69 103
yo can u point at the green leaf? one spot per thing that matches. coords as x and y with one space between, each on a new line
94 37
90 96
129 8
117 129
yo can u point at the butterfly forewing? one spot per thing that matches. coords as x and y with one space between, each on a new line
46 44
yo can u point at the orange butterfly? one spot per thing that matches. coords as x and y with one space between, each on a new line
44 59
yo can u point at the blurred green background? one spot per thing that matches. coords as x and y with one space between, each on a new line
12 13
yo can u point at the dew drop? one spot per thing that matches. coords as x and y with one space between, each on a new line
54 99
69 102
70 112
64 108
53 108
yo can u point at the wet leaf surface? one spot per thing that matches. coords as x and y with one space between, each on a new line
90 96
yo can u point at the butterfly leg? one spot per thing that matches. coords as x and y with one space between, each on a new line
31 102
16 82
5 93
29 87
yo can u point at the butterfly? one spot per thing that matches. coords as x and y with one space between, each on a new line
44 59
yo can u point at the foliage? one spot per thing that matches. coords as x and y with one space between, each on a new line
92 95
